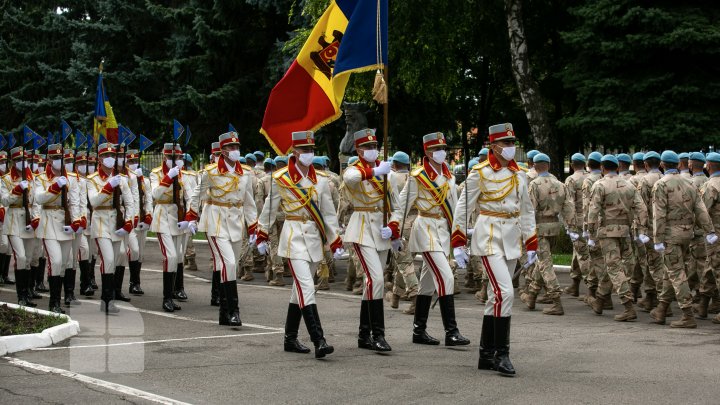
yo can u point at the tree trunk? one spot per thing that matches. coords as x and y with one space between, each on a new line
528 88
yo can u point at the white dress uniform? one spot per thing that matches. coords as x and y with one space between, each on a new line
141 189
81 245
5 250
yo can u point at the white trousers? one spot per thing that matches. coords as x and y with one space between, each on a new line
225 256
4 245
81 249
137 245
108 252
436 275
36 253
303 289
500 287
21 249
170 247
372 262
59 256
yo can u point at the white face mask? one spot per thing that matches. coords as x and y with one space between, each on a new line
169 163
306 158
34 167
108 162
508 153
91 169
133 166
3 167
68 167
234 155
439 156
57 164
180 163
371 155
19 165
82 169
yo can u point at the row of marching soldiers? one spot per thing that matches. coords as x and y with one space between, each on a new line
647 236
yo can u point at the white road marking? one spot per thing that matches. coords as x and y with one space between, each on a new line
123 389
40 349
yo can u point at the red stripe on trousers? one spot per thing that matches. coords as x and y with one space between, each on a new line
49 262
164 253
102 261
369 284
14 255
497 307
436 271
301 297
223 272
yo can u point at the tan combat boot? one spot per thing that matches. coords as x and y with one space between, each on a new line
629 313
393 299
555 309
529 298
592 292
607 301
714 307
658 314
278 281
701 308
574 288
456 287
322 284
597 303
716 319
648 302
247 276
687 320
191 264
358 288
411 309
545 299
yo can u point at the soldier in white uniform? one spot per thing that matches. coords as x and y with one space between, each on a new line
81 246
108 237
431 189
68 160
189 183
506 219
142 219
5 250
302 194
369 236
229 219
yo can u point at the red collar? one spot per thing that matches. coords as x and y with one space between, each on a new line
295 174
164 170
495 164
430 171
222 166
15 174
365 165
49 172
102 174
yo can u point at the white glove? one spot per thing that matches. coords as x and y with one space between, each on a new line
29 228
643 238
23 184
80 229
121 232
338 253
142 226
252 239
470 232
173 172
262 248
711 238
659 247
461 258
585 235
138 172
61 181
182 225
396 244
192 226
532 256
114 181
591 243
385 233
68 229
573 236
382 169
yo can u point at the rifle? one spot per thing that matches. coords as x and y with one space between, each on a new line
141 194
63 190
119 217
25 197
178 200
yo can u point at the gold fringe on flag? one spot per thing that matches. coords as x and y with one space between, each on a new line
380 92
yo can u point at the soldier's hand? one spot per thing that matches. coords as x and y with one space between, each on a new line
61 181
262 248
382 169
138 172
80 229
192 226
115 181
121 232
28 228
532 257
182 225
67 229
591 243
142 226
659 247
573 236
585 235
338 253
461 258
252 239
643 238
469 232
711 238
172 173
396 244
23 184
385 233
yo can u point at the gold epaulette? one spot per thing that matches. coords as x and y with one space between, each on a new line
157 169
416 172
246 167
322 173
210 166
278 173
189 172
524 169
481 165
93 175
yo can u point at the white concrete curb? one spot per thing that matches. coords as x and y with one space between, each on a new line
48 337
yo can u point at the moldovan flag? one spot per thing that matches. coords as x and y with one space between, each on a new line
105 123
351 36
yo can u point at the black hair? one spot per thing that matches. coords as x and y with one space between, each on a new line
608 165
593 164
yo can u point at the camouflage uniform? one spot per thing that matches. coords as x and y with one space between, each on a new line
581 256
710 194
698 253
597 262
652 279
639 249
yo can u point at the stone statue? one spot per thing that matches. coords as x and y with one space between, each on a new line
355 120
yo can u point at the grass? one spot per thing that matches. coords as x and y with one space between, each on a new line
562 259
16 321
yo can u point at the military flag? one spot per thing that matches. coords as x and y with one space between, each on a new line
105 125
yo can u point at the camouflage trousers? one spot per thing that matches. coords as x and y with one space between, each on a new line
696 261
596 266
709 275
274 262
580 260
190 248
476 268
618 264
544 274
653 279
402 268
640 267
675 280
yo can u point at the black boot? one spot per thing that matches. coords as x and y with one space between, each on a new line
108 294
40 276
312 322
215 289
3 273
56 283
31 281
487 344
69 283
377 326
93 284
447 311
6 270
422 309
364 340
168 282
292 323
21 283
85 287
179 293
223 313
119 276
502 346
233 309
135 278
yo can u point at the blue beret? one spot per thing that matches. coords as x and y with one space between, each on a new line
473 162
401 157
484 152
352 160
577 157
596 156
713 157
697 156
268 161
327 160
541 157
610 158
242 160
684 155
670 157
624 157
260 154
639 156
250 156
187 157
318 160
651 155
279 159
531 154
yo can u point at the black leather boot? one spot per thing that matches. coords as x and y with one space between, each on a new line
119 276
312 322
168 304
502 346
364 341
487 344
85 287
222 310
31 282
21 287
180 284
215 289
108 294
422 309
6 270
56 283
292 324
135 278
377 326
447 311
40 276
93 284
3 273
69 283
233 306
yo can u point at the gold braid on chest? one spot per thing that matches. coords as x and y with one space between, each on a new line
217 190
370 197
505 187
436 195
302 196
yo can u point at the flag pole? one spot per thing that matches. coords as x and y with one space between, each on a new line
386 136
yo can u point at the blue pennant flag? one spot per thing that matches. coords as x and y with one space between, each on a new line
177 130
101 139
125 136
3 142
10 140
80 139
50 138
188 135
144 143
90 142
66 130
38 142
28 134
231 128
